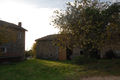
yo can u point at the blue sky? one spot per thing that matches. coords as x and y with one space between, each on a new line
35 16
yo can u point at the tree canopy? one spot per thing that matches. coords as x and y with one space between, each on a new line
88 24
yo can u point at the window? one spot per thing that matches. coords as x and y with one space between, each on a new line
3 50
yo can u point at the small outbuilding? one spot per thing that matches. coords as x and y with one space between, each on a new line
46 49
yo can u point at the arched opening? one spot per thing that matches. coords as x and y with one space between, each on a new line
110 54
69 53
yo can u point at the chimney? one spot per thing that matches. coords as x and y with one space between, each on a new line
19 24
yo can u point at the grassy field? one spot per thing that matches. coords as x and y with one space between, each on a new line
36 69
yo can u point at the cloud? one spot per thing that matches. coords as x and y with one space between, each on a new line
47 3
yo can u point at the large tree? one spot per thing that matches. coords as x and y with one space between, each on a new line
88 24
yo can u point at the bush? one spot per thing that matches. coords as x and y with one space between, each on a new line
84 60
28 54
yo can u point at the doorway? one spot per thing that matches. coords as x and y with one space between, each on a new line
69 53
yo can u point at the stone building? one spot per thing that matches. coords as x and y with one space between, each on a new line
46 49
13 49
113 45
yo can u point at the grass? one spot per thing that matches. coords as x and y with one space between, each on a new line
36 69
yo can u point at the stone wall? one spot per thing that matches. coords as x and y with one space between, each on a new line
76 52
46 50
113 46
15 48
62 54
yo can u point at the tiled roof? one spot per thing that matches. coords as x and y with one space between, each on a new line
48 37
7 24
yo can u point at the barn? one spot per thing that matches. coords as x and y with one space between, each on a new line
46 49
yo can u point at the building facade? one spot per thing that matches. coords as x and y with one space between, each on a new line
16 48
46 49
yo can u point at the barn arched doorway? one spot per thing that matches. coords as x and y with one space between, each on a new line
69 53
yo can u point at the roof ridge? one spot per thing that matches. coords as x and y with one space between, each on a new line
48 37
13 25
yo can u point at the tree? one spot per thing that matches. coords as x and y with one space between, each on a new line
28 54
31 52
34 49
87 24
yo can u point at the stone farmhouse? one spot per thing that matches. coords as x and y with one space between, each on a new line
46 49
13 50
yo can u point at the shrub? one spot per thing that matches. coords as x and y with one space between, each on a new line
84 60
28 54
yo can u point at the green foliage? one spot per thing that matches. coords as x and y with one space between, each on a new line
88 24
28 53
34 49
32 52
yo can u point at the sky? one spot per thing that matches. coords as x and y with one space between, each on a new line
35 16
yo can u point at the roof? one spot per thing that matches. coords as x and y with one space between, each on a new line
48 38
3 23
